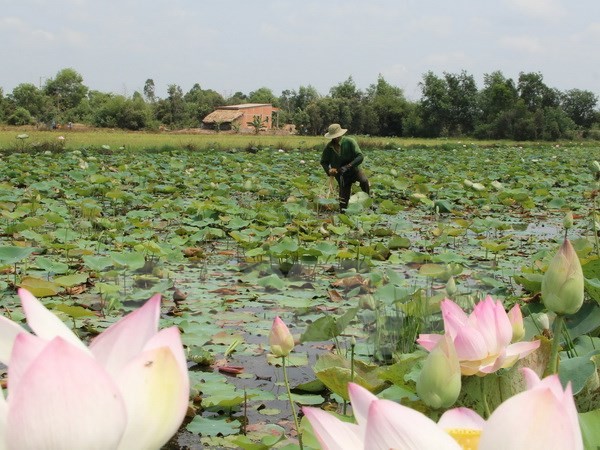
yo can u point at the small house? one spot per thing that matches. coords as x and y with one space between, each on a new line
236 117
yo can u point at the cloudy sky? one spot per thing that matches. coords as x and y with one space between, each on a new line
240 45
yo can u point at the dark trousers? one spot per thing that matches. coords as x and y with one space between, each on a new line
345 182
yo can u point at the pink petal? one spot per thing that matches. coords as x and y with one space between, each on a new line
45 324
470 345
125 339
3 414
27 348
492 322
155 386
429 341
454 317
461 418
170 337
516 321
534 419
331 432
391 425
360 399
8 332
518 350
531 378
65 400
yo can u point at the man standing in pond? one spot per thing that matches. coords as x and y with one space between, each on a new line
341 158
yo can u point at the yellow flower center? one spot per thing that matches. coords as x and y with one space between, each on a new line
467 439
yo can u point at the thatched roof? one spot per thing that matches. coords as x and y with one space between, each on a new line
223 116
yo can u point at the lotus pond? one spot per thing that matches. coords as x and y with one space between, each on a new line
233 238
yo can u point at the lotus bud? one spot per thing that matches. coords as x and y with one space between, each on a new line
280 338
451 287
543 321
516 320
568 220
439 382
563 282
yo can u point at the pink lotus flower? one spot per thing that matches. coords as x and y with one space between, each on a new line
540 418
280 338
482 339
129 389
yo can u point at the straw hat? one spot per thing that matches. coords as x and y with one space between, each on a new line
335 130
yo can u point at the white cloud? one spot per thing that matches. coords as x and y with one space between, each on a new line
589 35
522 44
449 60
21 31
539 9
74 38
434 25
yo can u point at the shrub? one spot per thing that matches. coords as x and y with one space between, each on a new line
20 117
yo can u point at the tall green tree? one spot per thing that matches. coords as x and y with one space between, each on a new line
201 102
150 90
263 95
463 105
499 94
66 90
388 105
435 105
171 111
29 97
580 106
346 89
237 99
534 92
345 106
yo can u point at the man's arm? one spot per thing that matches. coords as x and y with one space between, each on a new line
358 156
325 160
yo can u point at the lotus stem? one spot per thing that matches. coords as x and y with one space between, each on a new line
352 346
486 406
292 406
552 367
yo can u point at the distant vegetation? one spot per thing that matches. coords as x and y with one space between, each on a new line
451 105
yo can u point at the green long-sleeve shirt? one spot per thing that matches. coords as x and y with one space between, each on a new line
349 154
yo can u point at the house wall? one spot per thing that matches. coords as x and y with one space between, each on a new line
249 113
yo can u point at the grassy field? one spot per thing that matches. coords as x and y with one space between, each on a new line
115 139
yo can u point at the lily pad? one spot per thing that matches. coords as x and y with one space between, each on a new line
205 426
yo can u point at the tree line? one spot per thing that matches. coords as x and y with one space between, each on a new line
451 105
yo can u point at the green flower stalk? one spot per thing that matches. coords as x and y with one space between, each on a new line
281 342
563 282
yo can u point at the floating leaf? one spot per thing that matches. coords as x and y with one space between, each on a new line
213 426
50 265
75 312
13 254
39 287
71 280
